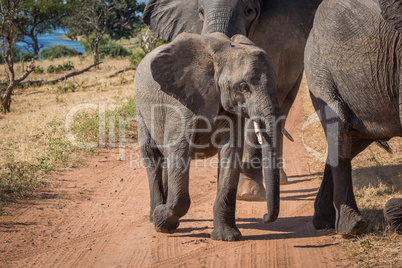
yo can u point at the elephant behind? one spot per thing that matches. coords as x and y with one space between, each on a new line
353 64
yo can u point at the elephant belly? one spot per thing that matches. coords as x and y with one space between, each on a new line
208 137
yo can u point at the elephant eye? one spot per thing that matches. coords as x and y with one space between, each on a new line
244 87
248 11
201 11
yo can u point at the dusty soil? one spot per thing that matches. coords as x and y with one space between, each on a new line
98 217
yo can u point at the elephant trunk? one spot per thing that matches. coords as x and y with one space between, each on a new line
270 163
271 140
223 20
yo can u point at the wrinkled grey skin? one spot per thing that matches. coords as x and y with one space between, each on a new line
180 88
279 27
353 64
393 214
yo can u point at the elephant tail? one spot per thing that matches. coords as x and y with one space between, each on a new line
385 146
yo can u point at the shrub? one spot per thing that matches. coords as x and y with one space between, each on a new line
112 49
39 70
51 69
161 42
58 51
21 177
136 57
59 68
107 47
67 66
23 57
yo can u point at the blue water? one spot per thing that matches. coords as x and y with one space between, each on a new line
48 40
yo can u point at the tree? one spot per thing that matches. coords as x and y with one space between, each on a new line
125 18
38 17
93 19
9 11
89 19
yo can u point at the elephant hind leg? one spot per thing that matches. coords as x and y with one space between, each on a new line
166 216
348 220
324 210
153 161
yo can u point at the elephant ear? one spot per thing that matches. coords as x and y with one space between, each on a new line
184 69
169 18
391 11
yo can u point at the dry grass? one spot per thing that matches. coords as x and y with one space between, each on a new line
33 140
377 177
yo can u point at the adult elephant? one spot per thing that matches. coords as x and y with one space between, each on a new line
353 65
280 27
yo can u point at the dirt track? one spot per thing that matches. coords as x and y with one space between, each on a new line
98 217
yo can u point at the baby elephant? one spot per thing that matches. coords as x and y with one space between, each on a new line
193 96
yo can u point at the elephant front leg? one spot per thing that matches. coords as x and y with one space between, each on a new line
225 204
166 216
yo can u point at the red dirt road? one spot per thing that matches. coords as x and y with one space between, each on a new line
98 217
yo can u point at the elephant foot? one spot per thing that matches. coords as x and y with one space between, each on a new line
164 220
350 222
226 234
324 219
250 190
283 177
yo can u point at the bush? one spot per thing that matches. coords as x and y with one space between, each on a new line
39 70
51 69
161 42
58 51
24 57
107 47
67 66
136 57
59 68
113 50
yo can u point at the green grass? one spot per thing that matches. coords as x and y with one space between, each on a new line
118 124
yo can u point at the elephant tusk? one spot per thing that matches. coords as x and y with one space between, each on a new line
287 135
257 132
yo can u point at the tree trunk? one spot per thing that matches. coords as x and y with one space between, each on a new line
6 97
35 47
35 43
96 53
